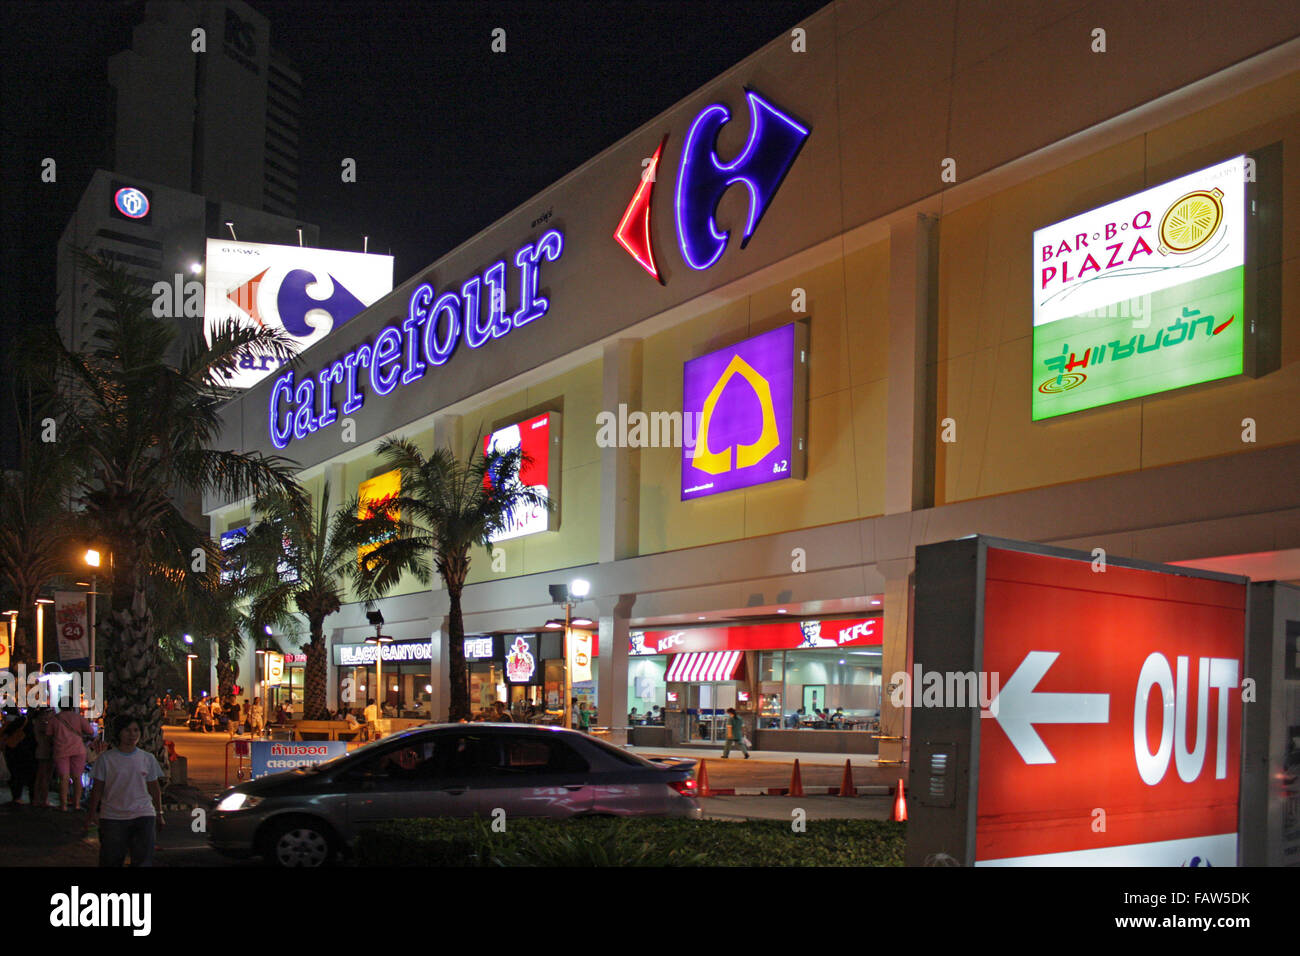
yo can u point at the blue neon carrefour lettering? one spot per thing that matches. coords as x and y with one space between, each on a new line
401 354
774 141
280 436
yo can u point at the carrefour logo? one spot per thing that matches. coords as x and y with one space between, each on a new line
308 293
774 141
131 202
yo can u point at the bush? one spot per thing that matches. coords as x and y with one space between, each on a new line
631 842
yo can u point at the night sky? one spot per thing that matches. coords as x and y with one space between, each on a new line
447 135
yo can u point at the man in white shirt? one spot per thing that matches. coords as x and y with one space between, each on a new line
126 800
372 720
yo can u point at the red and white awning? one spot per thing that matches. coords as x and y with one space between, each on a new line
705 666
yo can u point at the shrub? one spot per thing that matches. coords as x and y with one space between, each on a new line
631 842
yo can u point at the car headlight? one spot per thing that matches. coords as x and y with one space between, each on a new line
238 801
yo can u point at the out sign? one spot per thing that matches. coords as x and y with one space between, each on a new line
1118 690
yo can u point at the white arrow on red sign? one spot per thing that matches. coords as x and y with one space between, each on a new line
1018 707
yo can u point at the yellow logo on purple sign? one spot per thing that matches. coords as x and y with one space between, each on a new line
743 398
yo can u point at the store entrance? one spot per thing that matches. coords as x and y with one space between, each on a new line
707 705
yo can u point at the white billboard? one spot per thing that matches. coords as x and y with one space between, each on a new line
306 292
1165 236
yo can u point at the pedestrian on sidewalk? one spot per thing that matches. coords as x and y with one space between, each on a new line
256 719
69 732
735 734
44 755
126 801
18 744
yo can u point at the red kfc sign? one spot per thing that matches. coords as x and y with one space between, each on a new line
1115 736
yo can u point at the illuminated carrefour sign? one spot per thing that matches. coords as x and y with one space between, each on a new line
750 401
1142 295
774 142
402 352
539 440
307 293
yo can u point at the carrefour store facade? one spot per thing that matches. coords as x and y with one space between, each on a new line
959 289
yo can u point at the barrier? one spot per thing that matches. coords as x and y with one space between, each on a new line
242 765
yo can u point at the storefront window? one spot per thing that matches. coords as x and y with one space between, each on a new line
645 686
835 688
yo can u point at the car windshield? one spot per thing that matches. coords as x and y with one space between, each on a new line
351 755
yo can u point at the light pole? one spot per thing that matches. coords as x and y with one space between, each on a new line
379 640
564 594
13 634
92 559
40 632
189 676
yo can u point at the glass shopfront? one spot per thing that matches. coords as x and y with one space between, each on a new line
812 675
405 674
526 671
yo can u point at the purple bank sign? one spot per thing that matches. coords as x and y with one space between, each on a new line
750 404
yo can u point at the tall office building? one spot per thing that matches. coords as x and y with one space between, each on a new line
204 133
214 113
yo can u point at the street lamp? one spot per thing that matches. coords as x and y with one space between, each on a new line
40 631
189 676
92 560
566 594
379 640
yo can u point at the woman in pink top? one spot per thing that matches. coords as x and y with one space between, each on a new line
69 730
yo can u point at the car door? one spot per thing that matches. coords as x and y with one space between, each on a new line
430 776
537 775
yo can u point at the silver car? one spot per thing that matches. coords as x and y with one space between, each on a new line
305 817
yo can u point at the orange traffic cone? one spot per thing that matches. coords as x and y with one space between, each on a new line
900 804
846 785
796 782
702 781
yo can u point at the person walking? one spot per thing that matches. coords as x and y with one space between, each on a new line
256 718
126 800
18 744
69 732
735 734
44 755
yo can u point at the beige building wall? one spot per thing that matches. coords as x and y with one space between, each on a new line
986 309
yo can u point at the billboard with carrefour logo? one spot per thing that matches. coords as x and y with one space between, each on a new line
306 292
1144 294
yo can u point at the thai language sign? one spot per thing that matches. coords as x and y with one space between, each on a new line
1142 295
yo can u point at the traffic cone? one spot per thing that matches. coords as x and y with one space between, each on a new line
846 785
702 781
900 804
796 782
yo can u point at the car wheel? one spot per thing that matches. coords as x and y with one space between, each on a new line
299 842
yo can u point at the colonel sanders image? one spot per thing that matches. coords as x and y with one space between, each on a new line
812 635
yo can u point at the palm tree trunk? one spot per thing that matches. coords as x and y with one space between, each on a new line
225 669
131 664
456 656
316 674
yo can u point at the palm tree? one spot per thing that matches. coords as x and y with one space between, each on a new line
36 524
446 507
296 559
36 535
143 431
